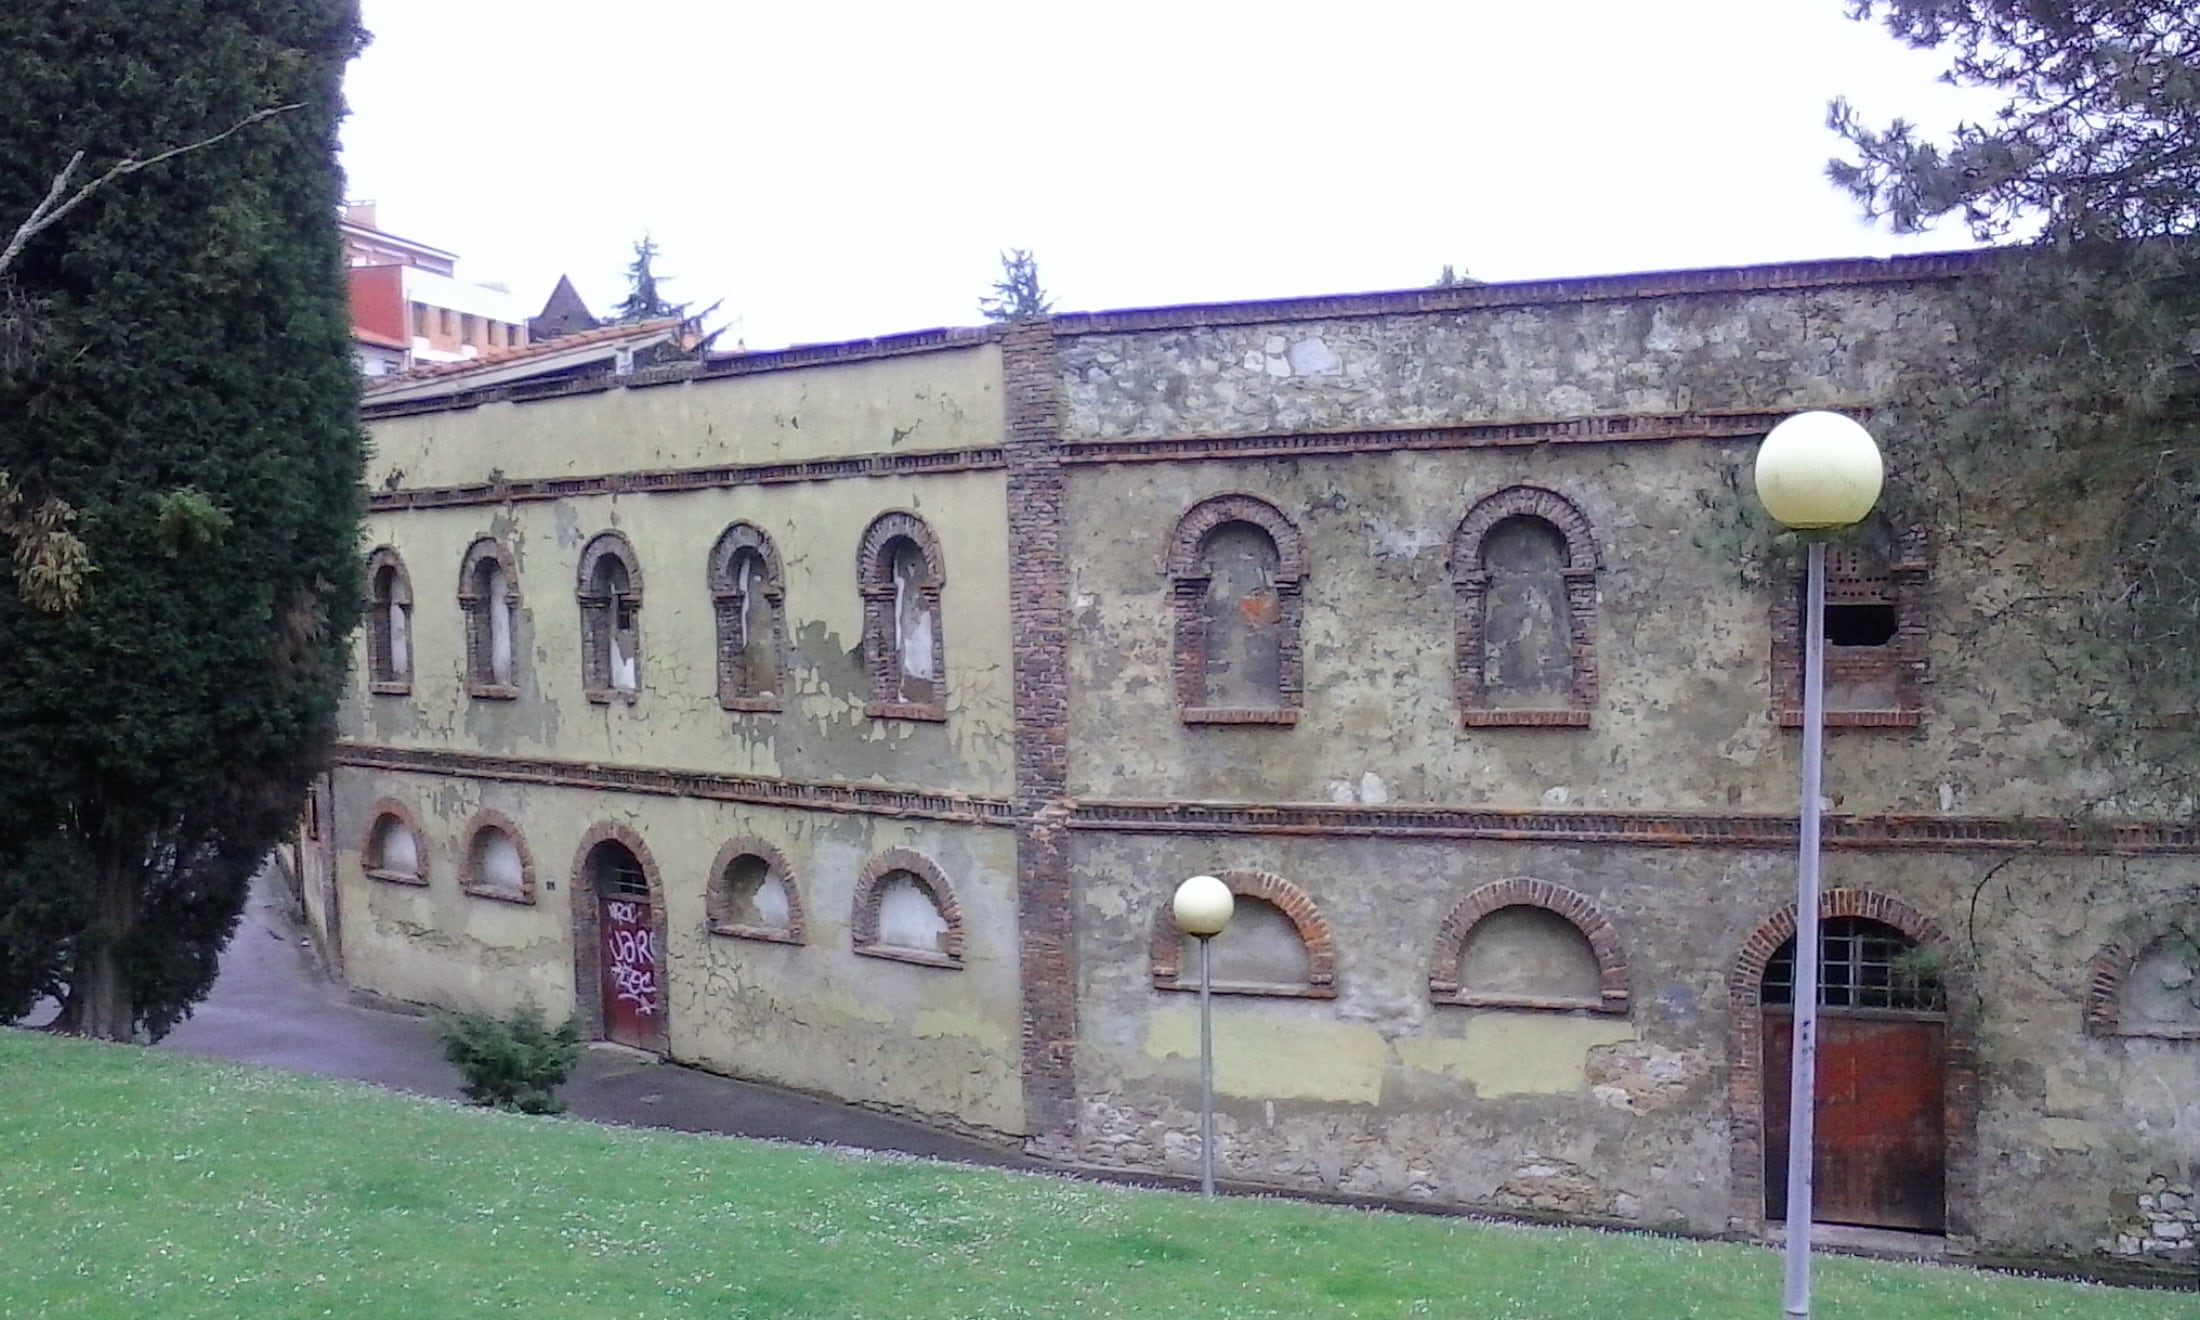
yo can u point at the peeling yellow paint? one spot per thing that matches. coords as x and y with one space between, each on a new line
1263 1058
1517 1053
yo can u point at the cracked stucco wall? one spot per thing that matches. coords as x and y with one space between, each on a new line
1379 1091
931 1042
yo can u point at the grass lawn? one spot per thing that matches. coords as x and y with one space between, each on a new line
135 1184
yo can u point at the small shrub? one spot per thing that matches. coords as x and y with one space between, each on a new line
514 1062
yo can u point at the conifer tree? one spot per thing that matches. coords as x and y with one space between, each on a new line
176 376
1016 294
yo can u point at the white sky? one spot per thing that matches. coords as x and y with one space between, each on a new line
834 171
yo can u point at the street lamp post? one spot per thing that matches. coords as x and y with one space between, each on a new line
1816 472
1202 908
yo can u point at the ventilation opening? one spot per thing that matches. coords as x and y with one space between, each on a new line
1859 625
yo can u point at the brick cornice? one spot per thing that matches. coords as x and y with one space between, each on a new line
808 794
1602 429
1642 828
741 364
530 490
1786 276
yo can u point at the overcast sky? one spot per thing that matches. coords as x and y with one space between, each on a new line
834 171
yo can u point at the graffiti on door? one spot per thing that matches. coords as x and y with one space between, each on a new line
633 949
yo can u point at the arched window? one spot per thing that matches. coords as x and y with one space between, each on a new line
901 575
1524 943
1237 568
1524 564
395 851
610 594
2149 986
488 596
389 624
747 597
1278 943
752 894
905 911
498 864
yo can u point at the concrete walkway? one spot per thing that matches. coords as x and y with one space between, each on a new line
273 1006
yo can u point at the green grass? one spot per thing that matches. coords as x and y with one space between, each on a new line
138 1184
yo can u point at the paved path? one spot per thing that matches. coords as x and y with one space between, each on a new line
273 1006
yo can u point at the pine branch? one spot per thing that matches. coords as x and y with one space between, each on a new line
59 201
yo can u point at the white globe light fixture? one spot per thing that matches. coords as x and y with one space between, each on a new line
1202 909
1819 470
1816 472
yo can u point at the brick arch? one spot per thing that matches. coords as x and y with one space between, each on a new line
389 808
1203 518
1582 554
492 550
1188 586
1470 579
2105 977
863 921
749 845
608 545
1295 903
874 567
1745 1051
474 605
490 818
1613 995
737 537
587 917
881 644
738 689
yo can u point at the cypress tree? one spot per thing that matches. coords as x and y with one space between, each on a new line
177 393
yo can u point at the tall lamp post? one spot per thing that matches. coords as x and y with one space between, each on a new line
1202 908
1817 472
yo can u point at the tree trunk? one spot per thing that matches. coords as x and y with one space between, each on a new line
99 995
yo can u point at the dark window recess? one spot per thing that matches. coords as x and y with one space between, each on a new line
1862 964
1859 625
619 873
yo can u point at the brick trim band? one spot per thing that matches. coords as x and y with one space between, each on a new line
863 919
718 894
806 794
587 916
1641 828
534 490
1576 909
1285 897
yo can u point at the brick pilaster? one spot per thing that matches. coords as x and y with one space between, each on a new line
1039 620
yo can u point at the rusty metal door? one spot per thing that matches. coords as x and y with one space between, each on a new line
633 992
1881 1154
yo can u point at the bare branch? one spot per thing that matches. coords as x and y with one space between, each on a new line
59 201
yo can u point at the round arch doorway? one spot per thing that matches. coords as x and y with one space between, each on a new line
1881 1149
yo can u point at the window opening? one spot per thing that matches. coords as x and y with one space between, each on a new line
1862 964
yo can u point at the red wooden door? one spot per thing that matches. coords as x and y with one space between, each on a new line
633 990
1880 1156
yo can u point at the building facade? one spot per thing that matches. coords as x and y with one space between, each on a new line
845 717
409 308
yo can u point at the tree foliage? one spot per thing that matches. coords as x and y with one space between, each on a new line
2068 413
645 299
2098 137
1016 294
178 378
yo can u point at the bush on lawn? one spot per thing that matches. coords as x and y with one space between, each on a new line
514 1062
